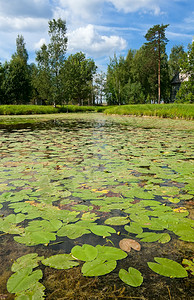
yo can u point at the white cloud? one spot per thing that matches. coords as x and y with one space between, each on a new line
38 45
129 6
23 24
83 9
88 40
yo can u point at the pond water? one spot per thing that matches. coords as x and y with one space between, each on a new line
88 182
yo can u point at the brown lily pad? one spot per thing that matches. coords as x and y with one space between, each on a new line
127 244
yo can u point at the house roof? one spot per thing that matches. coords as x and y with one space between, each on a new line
179 78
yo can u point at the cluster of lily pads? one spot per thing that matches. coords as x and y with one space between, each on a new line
66 183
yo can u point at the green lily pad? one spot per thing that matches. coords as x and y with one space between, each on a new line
36 291
23 280
102 230
134 228
29 260
167 267
60 261
133 277
98 267
117 221
110 253
72 231
35 238
85 253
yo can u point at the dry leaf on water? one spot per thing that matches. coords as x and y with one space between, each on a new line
127 244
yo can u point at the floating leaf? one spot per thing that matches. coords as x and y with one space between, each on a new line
167 267
60 261
35 238
149 236
110 253
133 277
117 221
127 244
134 228
85 253
23 280
165 238
36 291
102 230
29 260
72 231
98 267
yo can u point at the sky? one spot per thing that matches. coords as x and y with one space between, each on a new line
98 28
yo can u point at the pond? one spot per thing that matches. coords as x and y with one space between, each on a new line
96 207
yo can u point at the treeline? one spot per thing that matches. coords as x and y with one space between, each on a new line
144 76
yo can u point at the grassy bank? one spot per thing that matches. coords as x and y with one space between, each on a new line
46 109
173 111
184 111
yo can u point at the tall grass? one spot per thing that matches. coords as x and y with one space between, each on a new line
27 109
45 109
184 111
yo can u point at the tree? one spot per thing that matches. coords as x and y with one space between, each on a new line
57 50
177 53
42 77
186 91
117 77
78 75
21 49
51 60
156 44
16 83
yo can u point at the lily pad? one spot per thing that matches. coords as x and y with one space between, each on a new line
29 260
85 253
98 267
127 244
36 291
133 277
167 267
23 280
102 230
60 261
117 221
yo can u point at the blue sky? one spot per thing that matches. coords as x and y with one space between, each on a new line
99 28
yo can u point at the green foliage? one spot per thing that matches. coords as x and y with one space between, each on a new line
26 109
133 277
176 54
167 267
184 111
